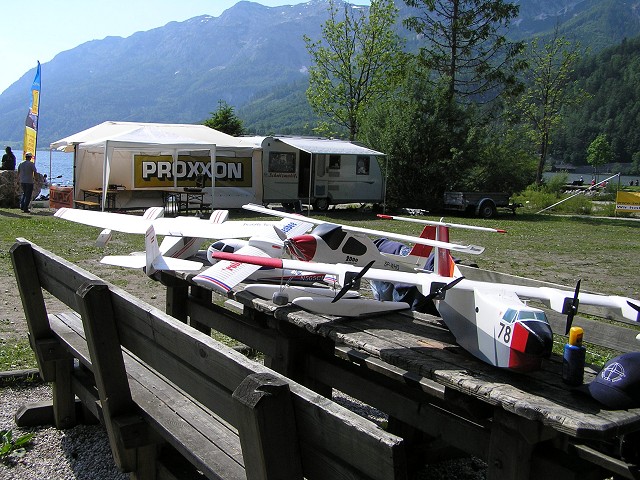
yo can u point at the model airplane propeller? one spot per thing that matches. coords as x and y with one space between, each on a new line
571 307
353 281
489 320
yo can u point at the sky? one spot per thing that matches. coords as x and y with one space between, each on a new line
38 30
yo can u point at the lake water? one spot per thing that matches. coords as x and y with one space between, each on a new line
571 177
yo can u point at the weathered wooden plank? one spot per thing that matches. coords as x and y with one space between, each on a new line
109 371
234 325
267 428
616 337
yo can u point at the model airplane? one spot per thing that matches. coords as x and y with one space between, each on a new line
328 242
491 321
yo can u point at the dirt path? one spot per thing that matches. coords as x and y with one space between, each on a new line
13 325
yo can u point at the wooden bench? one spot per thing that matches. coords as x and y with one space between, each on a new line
175 403
87 204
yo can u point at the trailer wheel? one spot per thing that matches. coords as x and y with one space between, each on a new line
321 204
487 209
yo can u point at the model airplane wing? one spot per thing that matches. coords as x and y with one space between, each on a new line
471 249
441 223
177 227
556 299
226 274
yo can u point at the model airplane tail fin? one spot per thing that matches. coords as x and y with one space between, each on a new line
153 212
419 250
444 264
153 260
219 216
151 248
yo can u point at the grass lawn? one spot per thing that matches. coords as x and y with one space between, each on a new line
604 253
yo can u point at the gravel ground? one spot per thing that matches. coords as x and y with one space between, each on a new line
80 453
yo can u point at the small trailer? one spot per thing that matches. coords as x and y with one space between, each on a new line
319 172
482 204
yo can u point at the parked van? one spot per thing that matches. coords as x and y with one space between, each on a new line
319 172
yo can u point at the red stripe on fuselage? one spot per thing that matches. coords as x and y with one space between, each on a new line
262 261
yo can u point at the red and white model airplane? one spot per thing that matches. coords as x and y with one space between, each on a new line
489 320
328 242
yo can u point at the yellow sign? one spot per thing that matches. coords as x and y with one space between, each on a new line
628 201
158 171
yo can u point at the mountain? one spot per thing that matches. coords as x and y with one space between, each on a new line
253 57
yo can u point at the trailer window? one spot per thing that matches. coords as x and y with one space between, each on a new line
362 165
282 162
334 162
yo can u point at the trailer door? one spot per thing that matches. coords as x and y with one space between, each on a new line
320 176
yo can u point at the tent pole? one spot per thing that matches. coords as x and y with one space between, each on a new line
310 180
212 154
106 170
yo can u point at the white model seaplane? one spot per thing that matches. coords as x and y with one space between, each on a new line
328 242
489 320
183 236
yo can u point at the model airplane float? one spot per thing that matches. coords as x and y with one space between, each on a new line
489 320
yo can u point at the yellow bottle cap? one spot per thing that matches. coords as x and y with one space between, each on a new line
575 336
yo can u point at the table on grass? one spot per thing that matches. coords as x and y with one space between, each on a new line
437 396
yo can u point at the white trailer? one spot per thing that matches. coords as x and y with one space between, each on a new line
319 172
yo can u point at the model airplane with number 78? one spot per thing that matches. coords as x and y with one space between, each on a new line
489 320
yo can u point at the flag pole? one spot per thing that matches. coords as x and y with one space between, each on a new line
31 122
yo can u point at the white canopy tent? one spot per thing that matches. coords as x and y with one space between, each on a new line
162 139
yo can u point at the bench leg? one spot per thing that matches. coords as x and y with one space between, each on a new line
511 446
64 405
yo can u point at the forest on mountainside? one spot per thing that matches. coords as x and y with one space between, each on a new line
612 79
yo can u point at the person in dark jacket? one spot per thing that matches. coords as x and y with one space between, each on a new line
8 160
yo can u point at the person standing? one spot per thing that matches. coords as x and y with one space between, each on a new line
8 160
26 176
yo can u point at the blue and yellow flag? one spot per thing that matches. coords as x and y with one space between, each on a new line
31 123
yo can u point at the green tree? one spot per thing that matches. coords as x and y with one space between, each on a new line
465 44
599 152
356 64
225 120
543 104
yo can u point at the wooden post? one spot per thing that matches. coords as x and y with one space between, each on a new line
267 428
176 298
111 377
511 446
205 295
53 362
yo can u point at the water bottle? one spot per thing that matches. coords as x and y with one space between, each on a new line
573 358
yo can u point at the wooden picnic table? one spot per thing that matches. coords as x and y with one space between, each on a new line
435 393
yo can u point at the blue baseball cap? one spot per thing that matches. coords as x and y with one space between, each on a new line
617 385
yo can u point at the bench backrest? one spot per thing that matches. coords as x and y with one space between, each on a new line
333 442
